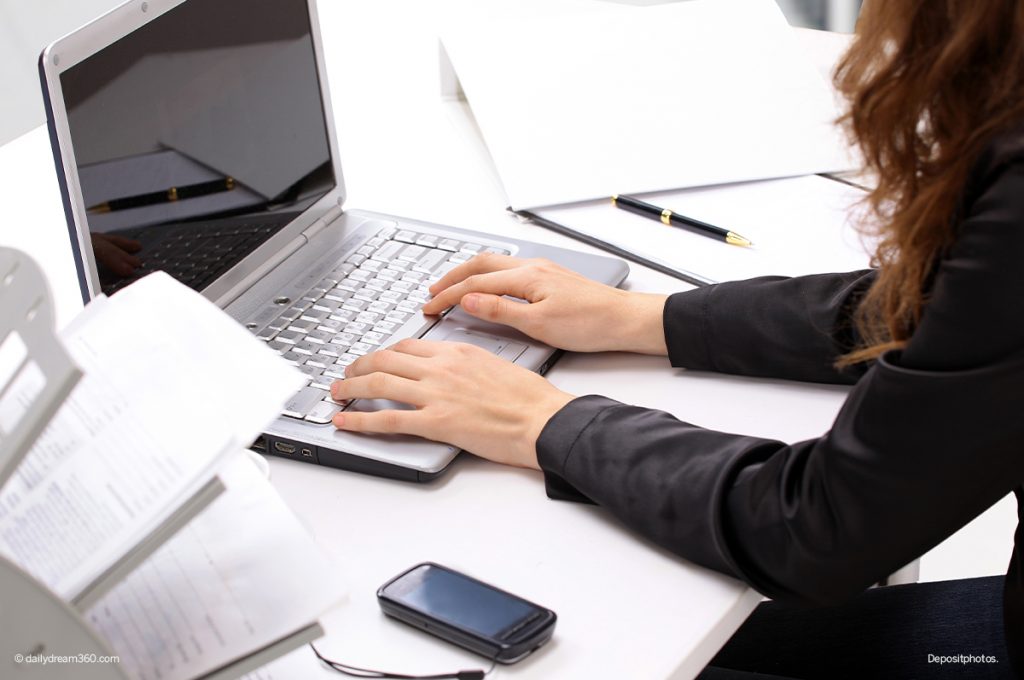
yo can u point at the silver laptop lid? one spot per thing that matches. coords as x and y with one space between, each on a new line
199 130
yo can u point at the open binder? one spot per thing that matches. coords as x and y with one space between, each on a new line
181 561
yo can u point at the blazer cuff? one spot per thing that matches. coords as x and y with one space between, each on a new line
557 439
687 328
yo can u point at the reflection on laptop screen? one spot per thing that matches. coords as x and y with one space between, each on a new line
198 137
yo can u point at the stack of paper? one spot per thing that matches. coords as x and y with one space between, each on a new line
136 506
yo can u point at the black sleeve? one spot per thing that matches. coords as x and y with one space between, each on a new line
928 438
774 327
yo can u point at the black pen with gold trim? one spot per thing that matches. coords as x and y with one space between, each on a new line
165 196
671 219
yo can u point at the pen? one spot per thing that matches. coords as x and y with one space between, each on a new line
166 196
671 219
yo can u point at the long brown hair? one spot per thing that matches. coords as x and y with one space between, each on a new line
929 83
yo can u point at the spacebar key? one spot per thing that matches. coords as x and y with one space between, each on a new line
303 402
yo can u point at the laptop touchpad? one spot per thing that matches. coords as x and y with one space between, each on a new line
503 347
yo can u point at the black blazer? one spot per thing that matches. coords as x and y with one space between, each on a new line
928 438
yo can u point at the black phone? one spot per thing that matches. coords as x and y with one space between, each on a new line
467 612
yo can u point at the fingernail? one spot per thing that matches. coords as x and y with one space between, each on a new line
334 390
348 370
338 420
471 303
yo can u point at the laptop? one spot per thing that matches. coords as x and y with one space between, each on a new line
196 137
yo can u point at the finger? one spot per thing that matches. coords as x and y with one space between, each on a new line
418 348
480 264
128 244
378 386
507 282
378 422
499 309
402 364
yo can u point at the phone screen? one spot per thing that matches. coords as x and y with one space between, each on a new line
460 601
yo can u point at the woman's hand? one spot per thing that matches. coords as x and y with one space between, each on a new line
463 395
561 308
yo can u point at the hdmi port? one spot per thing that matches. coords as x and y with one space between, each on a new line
284 448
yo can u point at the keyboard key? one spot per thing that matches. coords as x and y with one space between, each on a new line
403 286
335 372
460 257
279 324
406 236
366 294
302 402
380 307
311 371
369 318
290 337
430 261
268 334
360 348
372 266
322 382
401 317
378 284
319 361
355 305
294 358
279 346
393 296
373 338
322 413
499 251
327 305
332 351
387 327
415 276
331 325
342 315
362 274
319 337
306 347
412 253
302 326
390 274
350 284
357 328
449 244
388 251
315 315
356 259
472 248
428 240
337 295
346 338
409 306
345 359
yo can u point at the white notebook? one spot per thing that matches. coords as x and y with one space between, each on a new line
578 103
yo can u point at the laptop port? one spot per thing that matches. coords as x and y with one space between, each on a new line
260 444
283 447
307 453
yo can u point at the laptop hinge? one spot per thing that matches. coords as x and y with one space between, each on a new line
328 217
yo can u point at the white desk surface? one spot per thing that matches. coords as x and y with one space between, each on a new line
627 609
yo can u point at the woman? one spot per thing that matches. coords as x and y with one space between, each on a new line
933 341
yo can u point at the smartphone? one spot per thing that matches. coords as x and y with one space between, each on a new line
467 612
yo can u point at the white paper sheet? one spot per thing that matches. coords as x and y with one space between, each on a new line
242 575
577 105
802 225
171 386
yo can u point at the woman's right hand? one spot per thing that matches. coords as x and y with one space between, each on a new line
560 307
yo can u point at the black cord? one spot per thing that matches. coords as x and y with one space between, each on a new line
356 672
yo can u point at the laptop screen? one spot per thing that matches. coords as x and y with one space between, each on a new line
198 137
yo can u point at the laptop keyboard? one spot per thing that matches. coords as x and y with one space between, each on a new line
357 307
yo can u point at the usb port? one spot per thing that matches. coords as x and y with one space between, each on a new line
260 444
282 447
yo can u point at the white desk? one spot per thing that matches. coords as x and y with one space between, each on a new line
626 608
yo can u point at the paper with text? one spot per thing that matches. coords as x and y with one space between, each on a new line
243 574
171 386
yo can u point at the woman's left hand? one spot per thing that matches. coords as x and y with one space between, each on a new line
463 395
